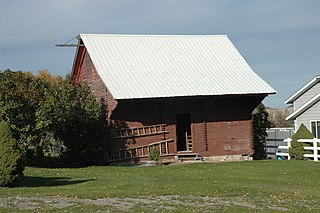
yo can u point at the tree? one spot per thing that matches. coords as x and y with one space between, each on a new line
20 94
50 116
277 117
297 151
72 114
260 125
11 158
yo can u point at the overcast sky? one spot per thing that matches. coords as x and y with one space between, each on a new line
279 39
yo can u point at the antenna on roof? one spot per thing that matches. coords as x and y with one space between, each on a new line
71 44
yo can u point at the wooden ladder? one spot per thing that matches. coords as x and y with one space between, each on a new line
188 142
137 131
141 151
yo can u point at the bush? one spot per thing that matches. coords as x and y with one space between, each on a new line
297 151
154 154
11 158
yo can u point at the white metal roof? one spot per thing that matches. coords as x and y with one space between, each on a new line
304 89
150 66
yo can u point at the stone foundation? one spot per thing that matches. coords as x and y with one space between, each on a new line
228 158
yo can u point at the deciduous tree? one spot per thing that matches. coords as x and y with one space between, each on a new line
49 115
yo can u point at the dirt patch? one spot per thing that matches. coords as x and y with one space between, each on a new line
154 203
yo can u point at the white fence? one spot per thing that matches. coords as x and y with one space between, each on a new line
283 151
315 142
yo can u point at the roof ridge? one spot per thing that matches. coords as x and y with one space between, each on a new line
156 35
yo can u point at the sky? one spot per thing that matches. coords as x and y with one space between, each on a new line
279 39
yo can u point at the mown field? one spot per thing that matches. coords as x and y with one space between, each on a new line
257 186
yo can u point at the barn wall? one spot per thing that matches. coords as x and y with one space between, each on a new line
227 127
220 125
87 73
230 138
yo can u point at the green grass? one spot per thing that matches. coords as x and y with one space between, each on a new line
231 187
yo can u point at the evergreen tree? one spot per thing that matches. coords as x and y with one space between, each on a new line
11 158
297 151
260 125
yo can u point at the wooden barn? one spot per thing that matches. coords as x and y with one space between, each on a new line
189 96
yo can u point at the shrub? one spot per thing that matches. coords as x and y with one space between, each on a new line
11 158
154 154
297 151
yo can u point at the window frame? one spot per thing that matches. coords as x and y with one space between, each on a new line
317 128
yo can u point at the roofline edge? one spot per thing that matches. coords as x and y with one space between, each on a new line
302 90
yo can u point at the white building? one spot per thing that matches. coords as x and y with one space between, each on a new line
306 105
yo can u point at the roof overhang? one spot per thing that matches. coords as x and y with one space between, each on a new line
304 89
304 107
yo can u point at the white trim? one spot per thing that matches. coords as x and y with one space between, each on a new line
304 89
317 134
304 107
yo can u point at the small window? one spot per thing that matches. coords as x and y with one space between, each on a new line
315 128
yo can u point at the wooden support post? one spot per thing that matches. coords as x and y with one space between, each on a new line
160 148
167 150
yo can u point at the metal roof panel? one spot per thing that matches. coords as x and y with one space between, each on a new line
150 66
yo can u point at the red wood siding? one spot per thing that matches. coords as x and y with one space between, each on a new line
85 71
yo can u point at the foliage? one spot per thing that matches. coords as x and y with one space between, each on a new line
52 147
11 158
154 154
247 186
297 151
260 125
73 115
20 94
52 117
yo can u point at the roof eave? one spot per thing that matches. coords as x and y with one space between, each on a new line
304 107
305 88
192 96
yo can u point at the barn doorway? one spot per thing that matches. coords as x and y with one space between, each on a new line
183 129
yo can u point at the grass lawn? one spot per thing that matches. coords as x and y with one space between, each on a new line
257 186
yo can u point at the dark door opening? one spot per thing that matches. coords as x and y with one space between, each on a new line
183 128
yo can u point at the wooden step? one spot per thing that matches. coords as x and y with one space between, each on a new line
188 156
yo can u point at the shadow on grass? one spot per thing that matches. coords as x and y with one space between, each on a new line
49 181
